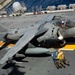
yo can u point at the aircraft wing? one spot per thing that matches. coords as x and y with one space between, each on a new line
18 46
27 37
41 23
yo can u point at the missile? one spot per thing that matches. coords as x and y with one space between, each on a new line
19 55
36 50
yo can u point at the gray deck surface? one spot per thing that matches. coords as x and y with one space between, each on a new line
40 65
37 65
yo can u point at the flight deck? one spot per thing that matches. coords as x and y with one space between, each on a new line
37 64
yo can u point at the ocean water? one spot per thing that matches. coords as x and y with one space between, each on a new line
43 3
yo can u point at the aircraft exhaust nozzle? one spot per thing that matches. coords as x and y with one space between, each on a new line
60 37
63 42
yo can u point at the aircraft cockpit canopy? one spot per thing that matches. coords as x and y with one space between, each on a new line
65 23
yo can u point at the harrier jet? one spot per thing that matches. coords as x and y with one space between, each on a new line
38 36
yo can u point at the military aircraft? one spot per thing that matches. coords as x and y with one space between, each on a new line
38 36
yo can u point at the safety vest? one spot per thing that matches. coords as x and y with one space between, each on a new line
60 56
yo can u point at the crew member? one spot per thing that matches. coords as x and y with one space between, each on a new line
54 57
62 59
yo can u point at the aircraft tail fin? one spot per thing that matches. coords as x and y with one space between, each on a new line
3 29
31 45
